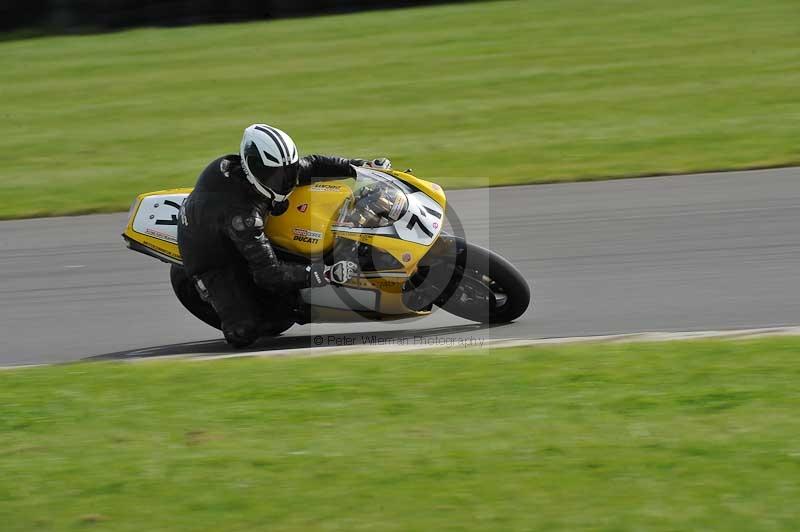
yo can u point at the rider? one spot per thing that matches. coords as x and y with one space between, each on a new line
221 231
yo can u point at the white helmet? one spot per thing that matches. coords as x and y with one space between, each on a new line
270 161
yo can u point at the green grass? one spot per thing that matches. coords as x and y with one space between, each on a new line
468 95
658 437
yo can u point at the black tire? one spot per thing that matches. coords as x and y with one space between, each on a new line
187 294
486 287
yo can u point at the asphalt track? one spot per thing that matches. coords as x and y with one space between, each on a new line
696 252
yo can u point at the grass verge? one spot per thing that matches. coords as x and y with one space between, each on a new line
675 436
467 95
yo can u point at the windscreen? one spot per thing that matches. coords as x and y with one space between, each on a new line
374 203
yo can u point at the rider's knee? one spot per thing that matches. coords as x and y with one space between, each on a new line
241 334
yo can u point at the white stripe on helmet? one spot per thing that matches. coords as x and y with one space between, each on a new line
272 143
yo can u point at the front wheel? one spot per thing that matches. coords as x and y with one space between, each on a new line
485 287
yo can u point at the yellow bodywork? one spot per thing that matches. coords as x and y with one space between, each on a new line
306 229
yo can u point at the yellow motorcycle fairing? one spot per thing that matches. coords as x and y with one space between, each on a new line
307 228
152 226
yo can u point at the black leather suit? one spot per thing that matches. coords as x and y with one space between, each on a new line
223 246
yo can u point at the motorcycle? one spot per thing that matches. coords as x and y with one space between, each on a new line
391 222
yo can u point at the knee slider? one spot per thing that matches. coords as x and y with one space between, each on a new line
242 333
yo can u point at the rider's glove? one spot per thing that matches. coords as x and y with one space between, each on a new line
381 163
338 273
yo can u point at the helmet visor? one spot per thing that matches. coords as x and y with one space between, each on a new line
279 179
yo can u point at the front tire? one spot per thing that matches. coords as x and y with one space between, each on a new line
485 288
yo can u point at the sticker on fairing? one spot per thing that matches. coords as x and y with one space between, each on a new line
306 235
157 217
160 235
421 222
324 187
398 206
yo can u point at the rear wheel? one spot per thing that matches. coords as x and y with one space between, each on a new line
186 293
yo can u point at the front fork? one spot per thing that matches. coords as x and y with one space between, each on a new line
438 274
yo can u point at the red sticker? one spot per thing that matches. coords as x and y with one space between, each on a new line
303 207
406 257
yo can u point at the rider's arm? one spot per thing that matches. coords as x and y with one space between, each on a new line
315 168
245 228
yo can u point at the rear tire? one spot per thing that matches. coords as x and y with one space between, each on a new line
186 293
